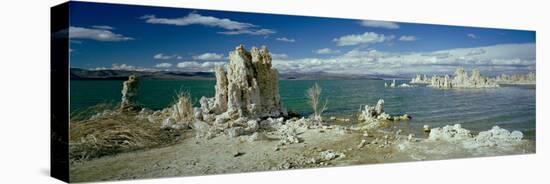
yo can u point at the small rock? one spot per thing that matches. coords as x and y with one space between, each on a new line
332 118
237 154
410 137
276 148
362 144
426 128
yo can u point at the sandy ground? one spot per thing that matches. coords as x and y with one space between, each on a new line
223 154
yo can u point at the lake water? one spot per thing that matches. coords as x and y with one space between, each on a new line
510 107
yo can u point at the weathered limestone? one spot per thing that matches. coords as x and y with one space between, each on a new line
459 80
449 133
529 78
497 136
129 94
420 79
494 137
370 114
249 88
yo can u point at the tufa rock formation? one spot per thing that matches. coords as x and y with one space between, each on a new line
249 88
529 78
495 137
459 80
129 94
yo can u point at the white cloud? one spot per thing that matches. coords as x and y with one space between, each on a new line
490 60
208 56
327 51
365 38
285 39
472 36
161 56
379 24
199 66
279 56
103 27
407 38
126 67
249 31
163 65
96 34
234 27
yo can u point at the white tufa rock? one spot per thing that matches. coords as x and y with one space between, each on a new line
497 136
330 155
459 80
249 88
129 94
450 133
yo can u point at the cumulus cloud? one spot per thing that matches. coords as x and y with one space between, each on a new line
407 38
327 51
472 36
208 56
199 66
104 35
365 38
285 39
103 27
233 27
379 24
162 56
249 31
491 60
278 56
163 65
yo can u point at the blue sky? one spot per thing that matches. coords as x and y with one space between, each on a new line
108 36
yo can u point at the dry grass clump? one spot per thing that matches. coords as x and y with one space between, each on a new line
183 109
113 134
86 113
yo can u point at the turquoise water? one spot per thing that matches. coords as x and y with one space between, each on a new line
511 107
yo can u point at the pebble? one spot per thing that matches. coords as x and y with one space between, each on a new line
236 154
410 138
426 128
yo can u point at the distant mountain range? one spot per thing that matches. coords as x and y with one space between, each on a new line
84 74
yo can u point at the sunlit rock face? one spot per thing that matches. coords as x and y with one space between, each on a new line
249 88
129 94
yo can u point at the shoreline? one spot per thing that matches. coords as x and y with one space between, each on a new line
222 155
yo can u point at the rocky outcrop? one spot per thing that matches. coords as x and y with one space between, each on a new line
129 94
459 80
371 117
449 133
495 137
249 88
529 78
391 85
420 79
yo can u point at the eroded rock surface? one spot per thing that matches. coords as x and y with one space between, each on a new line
129 94
495 137
460 79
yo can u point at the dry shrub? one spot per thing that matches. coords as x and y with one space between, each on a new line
114 134
85 113
183 109
313 95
